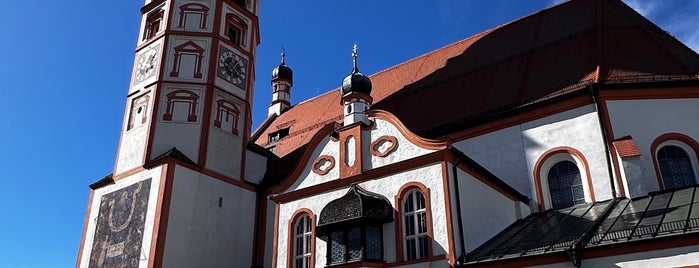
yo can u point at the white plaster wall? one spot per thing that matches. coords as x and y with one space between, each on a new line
674 257
632 174
578 128
202 234
645 120
181 134
485 212
430 176
132 147
187 63
209 19
224 152
502 151
255 166
403 151
154 175
310 178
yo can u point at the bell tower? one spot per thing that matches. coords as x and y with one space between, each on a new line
178 195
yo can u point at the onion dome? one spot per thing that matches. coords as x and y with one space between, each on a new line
357 206
282 71
356 82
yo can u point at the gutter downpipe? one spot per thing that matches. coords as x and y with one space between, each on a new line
595 99
462 255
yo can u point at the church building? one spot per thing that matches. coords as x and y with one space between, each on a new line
567 138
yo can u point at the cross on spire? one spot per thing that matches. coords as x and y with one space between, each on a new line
283 54
354 57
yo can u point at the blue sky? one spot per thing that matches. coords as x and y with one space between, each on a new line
67 65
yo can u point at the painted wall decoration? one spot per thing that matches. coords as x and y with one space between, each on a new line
120 224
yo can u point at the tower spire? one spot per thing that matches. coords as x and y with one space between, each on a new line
356 93
282 80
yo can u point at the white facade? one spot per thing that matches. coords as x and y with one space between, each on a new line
647 119
211 222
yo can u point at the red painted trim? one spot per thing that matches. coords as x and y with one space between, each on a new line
649 93
451 254
373 147
539 163
261 231
387 170
412 137
275 243
128 173
150 139
520 118
84 232
162 212
291 242
668 137
352 132
205 124
316 170
399 217
293 176
607 121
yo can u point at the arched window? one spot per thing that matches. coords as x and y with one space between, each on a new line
303 238
562 179
565 185
414 223
676 160
675 167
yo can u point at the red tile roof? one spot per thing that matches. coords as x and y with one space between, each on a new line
626 147
552 52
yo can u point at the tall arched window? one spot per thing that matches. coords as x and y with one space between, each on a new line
675 167
565 185
301 243
303 236
414 223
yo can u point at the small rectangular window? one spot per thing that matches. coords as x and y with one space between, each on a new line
277 135
153 24
234 34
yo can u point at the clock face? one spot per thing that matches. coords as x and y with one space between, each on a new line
232 67
145 64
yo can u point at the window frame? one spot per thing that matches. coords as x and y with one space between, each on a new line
228 107
235 21
688 144
401 248
181 95
193 8
565 189
153 24
547 160
363 257
291 242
